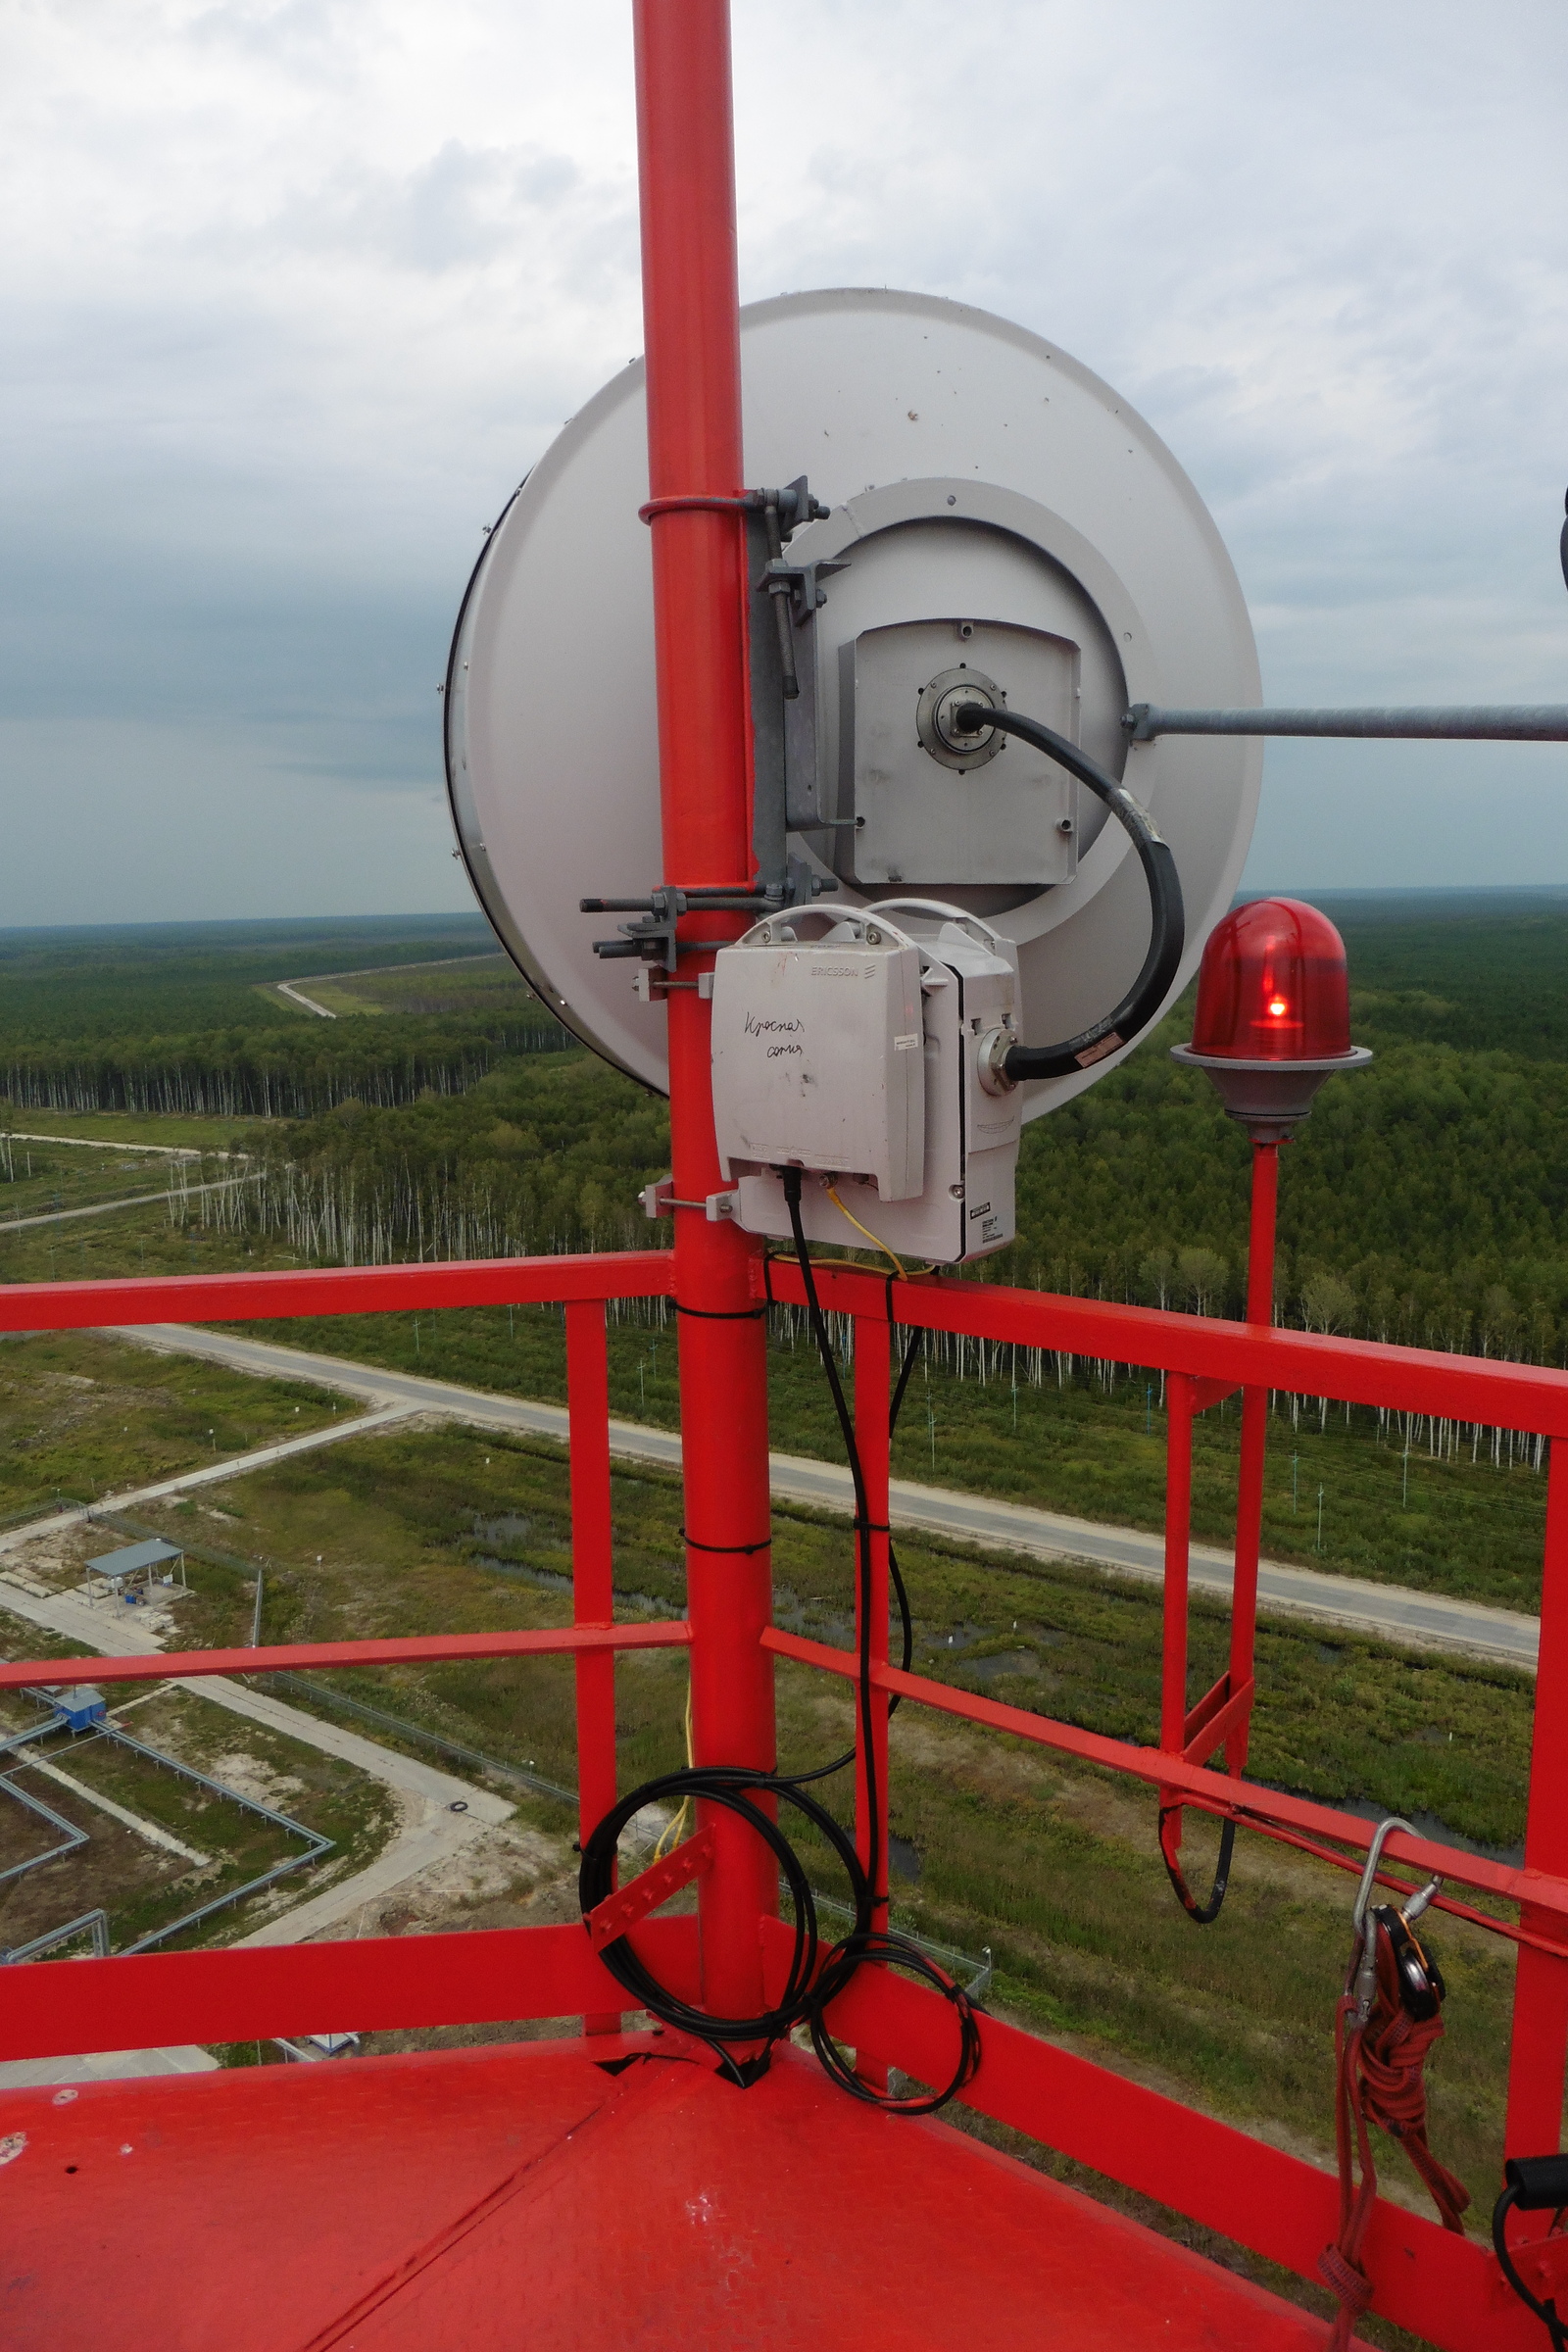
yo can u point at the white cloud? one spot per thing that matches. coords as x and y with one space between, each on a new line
294 293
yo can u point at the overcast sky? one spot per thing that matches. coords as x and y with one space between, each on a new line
295 290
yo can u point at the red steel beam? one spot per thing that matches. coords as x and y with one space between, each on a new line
382 1983
690 311
335 1290
1525 1396
872 1369
1249 1804
1227 1712
188 1665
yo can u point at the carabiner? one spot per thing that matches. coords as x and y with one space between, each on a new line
1364 1979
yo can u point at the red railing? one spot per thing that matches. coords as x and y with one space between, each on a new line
1445 2287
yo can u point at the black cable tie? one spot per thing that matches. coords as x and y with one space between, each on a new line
694 1545
722 1314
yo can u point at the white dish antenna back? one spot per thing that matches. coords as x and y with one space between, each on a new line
998 509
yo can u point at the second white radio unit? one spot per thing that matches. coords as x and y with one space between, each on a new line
860 1049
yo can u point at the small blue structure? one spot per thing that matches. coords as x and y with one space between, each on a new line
117 1571
77 1707
81 1705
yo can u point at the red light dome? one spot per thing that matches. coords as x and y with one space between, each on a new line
1272 986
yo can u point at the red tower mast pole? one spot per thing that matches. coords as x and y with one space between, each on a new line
690 311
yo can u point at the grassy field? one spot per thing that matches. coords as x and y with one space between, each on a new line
479 983
130 1128
38 1178
162 979
1095 1452
82 1415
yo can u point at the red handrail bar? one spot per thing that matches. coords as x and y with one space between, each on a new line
335 1290
189 1665
463 1975
1247 1802
1533 1398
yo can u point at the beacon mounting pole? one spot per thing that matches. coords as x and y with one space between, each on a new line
1272 1025
1254 1434
690 311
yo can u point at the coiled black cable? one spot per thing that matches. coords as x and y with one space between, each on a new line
1167 931
814 1979
732 1786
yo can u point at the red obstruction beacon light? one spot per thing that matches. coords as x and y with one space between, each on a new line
1272 987
1273 1014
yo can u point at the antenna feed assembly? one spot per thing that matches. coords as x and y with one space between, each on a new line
953 719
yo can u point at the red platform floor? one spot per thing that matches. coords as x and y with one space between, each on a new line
527 2197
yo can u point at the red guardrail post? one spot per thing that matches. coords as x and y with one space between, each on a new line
593 1590
1539 2043
872 1367
1178 1538
1255 1436
691 308
873 1339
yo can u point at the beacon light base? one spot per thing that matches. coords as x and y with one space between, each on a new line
1269 1099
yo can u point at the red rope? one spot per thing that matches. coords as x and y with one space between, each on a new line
1378 2080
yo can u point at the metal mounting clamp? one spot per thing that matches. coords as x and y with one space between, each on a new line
653 938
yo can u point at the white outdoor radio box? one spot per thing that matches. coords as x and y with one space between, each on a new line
851 1047
818 1053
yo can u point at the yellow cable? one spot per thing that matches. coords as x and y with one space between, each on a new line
676 1829
832 1195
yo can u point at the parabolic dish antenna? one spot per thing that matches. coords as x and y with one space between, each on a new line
999 512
